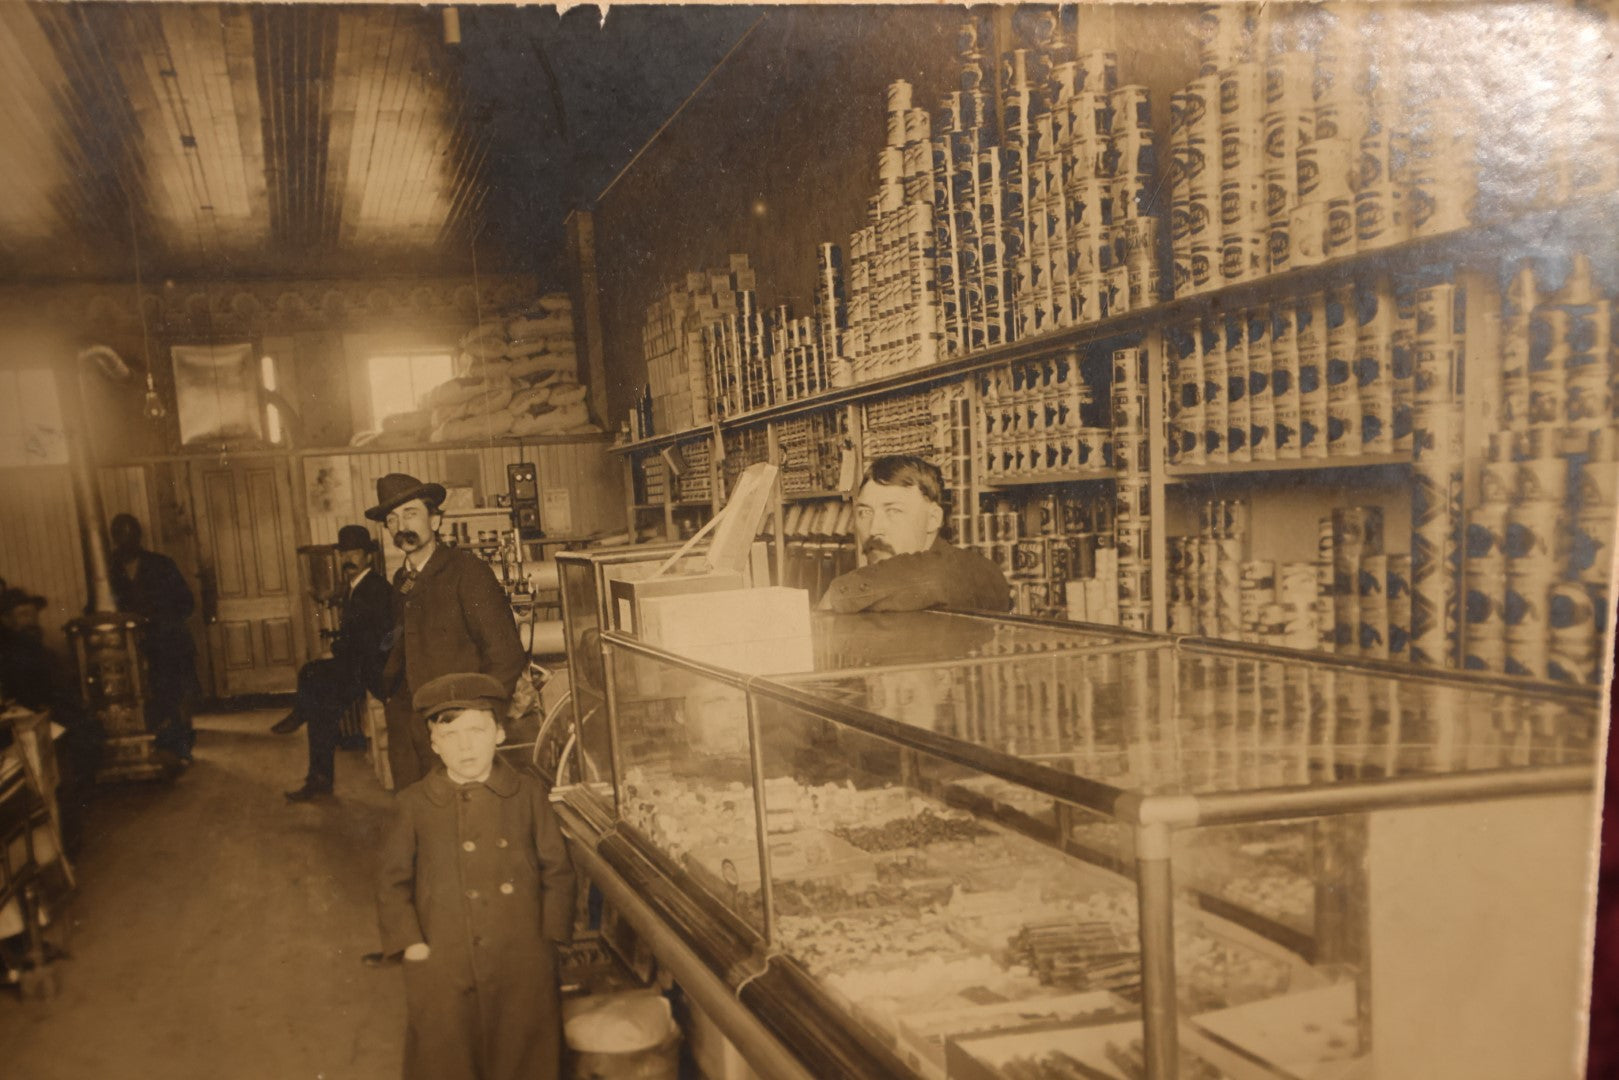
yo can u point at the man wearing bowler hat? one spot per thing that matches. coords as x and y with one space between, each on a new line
327 687
452 614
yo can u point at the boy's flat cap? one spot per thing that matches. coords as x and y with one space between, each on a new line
460 690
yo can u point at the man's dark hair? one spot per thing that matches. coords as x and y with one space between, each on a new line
908 470
127 524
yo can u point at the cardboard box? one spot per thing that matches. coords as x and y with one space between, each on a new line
755 631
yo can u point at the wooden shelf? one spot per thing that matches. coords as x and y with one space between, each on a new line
658 442
819 493
1177 473
1053 476
646 506
1523 233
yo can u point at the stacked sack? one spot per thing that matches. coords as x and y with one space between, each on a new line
514 377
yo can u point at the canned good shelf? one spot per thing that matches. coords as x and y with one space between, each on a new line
1055 476
1242 468
1523 233
658 442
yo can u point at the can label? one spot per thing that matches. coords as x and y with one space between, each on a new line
1340 236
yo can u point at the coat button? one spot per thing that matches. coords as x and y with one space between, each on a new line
466 796
506 888
472 894
469 846
501 842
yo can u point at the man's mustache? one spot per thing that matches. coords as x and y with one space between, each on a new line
875 545
406 537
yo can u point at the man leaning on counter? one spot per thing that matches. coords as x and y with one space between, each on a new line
898 519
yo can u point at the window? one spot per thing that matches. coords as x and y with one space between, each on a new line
400 382
31 430
272 427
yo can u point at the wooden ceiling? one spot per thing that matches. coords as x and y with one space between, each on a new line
227 140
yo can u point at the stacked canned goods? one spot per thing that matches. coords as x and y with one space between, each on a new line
1325 376
894 321
1132 514
678 337
1438 345
1048 548
810 452
1205 574
1538 544
1034 421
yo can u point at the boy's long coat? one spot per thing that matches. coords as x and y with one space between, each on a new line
480 873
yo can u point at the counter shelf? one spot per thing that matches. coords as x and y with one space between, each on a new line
1225 839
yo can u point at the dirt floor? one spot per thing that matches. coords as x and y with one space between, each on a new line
217 930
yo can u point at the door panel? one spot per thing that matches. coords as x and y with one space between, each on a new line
245 535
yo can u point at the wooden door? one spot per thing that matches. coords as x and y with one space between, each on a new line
247 563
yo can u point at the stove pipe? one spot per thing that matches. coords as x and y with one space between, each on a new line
86 495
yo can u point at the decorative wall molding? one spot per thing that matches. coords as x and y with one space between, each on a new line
211 311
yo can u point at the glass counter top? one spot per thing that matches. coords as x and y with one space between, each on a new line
1156 717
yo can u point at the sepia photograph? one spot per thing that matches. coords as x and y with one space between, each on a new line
820 541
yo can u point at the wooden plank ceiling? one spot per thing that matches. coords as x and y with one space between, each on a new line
228 140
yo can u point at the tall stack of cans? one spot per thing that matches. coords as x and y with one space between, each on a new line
1484 567
1048 549
831 317
894 296
1131 510
797 364
1436 487
1540 539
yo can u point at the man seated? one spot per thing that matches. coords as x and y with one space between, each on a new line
898 520
43 680
328 687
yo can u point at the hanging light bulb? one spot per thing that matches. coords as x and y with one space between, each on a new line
155 409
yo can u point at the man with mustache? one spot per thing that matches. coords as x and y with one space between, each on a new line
898 517
452 616
328 686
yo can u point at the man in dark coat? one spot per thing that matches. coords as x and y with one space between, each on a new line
43 680
151 586
452 616
898 516
328 686
475 893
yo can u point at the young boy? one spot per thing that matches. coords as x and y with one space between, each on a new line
476 892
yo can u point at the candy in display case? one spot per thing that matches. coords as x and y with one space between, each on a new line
970 846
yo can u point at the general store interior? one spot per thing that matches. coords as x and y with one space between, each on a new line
1342 617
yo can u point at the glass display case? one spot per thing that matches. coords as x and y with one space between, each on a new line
977 847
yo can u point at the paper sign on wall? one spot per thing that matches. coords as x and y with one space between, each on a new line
556 511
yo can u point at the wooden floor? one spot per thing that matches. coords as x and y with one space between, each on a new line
217 930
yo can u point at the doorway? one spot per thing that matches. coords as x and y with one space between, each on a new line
248 574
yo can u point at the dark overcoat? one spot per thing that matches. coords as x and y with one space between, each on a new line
453 618
359 651
941 576
481 874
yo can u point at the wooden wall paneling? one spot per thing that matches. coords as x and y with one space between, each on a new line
39 544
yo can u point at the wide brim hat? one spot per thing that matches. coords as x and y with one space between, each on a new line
396 489
12 599
461 690
356 538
